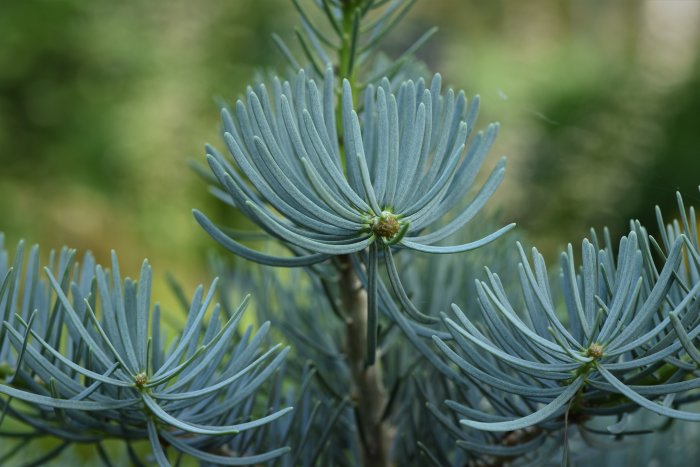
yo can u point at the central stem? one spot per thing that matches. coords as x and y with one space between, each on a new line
368 392
345 54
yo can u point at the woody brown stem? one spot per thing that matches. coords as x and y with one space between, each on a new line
368 392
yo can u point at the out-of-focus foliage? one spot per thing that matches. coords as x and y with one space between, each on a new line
318 369
599 100
101 104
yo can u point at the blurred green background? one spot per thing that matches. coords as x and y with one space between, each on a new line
102 103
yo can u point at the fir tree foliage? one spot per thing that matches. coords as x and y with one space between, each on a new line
328 188
625 340
396 348
85 379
